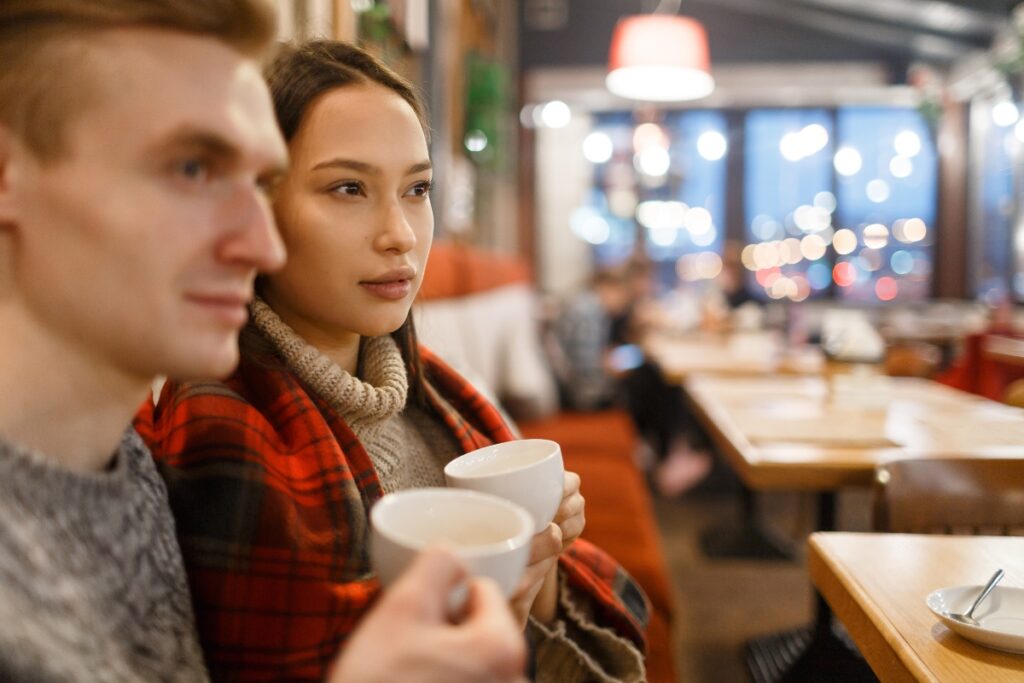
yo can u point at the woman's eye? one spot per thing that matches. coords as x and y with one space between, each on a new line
421 189
350 189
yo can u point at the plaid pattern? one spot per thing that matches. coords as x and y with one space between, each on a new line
270 490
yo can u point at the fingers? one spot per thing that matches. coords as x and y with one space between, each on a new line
571 506
572 528
571 484
486 606
428 581
571 515
546 544
499 637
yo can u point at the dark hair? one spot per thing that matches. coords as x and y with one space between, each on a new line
44 79
298 75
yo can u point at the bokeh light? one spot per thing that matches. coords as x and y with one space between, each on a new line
844 241
876 236
597 147
886 288
847 161
712 145
844 274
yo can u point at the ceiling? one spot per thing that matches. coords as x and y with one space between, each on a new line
892 33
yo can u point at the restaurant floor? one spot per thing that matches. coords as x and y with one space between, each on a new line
722 603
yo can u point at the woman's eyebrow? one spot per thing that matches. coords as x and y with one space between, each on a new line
350 164
369 169
420 167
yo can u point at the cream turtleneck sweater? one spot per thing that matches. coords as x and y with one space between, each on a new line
409 447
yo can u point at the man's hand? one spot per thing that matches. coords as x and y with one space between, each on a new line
408 635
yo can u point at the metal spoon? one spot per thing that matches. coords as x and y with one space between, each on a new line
967 617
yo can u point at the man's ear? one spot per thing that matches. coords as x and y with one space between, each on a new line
8 219
7 143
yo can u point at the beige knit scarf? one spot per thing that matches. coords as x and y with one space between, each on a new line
365 403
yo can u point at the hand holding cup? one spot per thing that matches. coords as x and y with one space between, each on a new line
489 534
531 473
408 635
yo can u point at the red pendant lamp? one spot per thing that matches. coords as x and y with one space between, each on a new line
659 58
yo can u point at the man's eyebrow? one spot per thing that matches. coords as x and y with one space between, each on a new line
368 169
207 141
218 146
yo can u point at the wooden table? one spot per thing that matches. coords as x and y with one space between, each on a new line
822 434
1008 350
877 583
735 354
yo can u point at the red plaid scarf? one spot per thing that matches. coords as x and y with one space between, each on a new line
270 491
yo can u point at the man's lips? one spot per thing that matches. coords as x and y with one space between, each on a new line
231 307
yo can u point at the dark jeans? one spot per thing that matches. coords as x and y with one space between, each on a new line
659 410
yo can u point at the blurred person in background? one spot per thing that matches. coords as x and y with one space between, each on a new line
600 363
583 332
272 473
133 219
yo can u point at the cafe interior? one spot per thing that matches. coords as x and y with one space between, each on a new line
757 267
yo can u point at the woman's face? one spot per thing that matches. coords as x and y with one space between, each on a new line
354 212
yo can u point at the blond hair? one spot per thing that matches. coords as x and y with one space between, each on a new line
43 77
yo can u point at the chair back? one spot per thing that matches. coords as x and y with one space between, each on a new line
975 496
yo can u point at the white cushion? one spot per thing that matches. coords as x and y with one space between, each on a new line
493 337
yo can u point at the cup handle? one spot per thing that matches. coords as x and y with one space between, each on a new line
455 603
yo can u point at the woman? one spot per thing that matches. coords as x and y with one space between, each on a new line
272 472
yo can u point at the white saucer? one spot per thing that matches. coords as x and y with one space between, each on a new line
1001 616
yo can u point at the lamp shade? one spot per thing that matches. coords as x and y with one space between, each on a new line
659 58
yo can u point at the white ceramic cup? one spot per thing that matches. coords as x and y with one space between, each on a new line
528 472
490 534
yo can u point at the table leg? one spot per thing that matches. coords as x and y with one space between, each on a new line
812 653
743 541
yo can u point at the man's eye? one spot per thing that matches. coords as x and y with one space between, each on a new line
195 170
268 184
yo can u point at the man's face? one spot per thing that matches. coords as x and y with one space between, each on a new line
140 245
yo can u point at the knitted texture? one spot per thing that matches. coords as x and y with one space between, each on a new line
409 448
92 585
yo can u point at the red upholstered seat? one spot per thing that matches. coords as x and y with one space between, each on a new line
598 446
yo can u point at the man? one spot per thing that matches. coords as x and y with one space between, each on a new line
136 141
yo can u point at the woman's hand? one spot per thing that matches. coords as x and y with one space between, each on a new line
537 593
570 516
541 573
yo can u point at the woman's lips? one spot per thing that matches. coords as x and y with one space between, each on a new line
391 290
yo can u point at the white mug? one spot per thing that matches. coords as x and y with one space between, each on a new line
528 472
490 534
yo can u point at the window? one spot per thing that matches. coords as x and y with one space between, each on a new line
788 202
835 202
661 182
998 258
887 201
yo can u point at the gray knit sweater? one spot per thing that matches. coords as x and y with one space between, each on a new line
92 586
